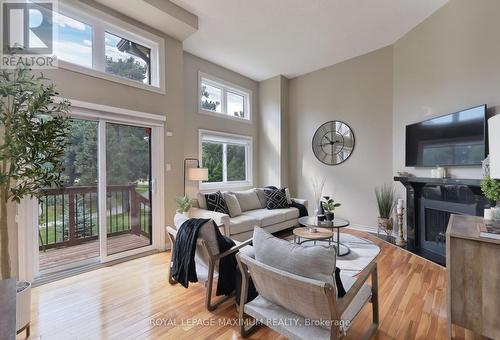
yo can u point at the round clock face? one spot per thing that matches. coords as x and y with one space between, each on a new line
333 142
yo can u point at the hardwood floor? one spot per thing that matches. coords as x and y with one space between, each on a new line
123 302
56 257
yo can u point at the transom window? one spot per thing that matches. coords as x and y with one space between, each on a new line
222 98
92 42
228 159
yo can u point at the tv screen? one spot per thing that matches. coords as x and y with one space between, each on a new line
455 139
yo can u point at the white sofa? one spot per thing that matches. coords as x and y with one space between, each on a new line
253 213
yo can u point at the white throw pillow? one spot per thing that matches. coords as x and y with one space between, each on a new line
179 219
314 262
232 205
248 199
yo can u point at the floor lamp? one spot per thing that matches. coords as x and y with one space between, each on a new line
194 174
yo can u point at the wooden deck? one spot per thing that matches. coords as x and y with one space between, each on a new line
57 257
133 300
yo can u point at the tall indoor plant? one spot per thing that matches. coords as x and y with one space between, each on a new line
33 130
386 199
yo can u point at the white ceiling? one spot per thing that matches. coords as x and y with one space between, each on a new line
263 38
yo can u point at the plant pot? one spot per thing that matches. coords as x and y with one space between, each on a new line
385 223
496 212
8 309
329 215
23 306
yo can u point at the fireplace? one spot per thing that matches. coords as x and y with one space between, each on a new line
430 202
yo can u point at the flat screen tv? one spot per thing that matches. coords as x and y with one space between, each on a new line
456 139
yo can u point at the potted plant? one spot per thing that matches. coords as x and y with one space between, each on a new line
329 207
491 189
33 131
183 204
386 199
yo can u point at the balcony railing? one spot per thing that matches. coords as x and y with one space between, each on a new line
69 216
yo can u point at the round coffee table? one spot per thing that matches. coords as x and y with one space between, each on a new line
307 235
337 223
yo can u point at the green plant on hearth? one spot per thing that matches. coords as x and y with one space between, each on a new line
386 199
491 188
33 131
183 204
330 205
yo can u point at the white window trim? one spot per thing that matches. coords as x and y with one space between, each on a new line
28 209
230 138
226 87
101 23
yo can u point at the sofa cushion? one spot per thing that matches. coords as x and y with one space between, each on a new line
232 204
276 199
248 199
216 202
202 202
314 262
243 223
262 197
267 217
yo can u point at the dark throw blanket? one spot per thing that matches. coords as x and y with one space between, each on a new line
184 268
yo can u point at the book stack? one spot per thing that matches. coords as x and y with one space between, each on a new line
489 230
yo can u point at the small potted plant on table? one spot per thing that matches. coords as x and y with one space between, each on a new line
385 200
329 207
491 189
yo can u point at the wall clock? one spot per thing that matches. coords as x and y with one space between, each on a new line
333 142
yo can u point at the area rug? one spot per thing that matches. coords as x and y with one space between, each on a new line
362 252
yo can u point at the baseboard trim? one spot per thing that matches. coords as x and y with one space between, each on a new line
360 227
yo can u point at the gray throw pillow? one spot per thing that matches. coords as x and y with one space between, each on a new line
248 199
314 262
262 197
232 204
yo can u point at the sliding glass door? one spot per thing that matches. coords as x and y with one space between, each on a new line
128 188
104 210
68 226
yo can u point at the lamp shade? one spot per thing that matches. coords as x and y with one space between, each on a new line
198 174
494 138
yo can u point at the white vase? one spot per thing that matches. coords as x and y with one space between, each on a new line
23 306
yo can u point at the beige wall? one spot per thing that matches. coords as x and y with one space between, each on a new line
447 63
195 121
358 92
78 86
273 131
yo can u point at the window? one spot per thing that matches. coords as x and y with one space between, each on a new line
222 98
94 43
74 40
228 159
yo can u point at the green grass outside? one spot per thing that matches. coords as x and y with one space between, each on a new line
115 223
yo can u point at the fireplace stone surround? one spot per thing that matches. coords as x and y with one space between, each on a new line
429 203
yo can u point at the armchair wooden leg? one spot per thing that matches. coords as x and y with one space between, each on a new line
170 278
374 300
209 286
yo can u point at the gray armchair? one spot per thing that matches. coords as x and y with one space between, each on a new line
285 296
207 260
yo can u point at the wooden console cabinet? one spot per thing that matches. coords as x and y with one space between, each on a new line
473 277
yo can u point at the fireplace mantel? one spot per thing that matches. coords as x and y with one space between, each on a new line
449 193
444 181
